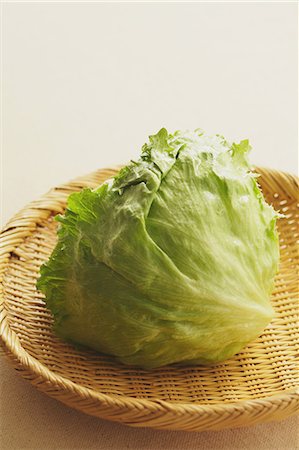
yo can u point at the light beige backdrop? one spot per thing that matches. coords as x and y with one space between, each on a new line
84 84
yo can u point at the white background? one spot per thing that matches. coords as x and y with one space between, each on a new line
84 84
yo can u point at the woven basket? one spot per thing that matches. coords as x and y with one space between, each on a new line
257 385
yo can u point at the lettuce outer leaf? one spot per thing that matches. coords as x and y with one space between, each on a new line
171 261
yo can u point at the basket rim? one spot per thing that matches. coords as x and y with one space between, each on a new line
13 348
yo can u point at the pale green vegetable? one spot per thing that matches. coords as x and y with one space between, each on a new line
171 261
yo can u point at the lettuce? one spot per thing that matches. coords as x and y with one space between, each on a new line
173 260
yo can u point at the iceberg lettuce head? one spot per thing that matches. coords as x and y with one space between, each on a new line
173 260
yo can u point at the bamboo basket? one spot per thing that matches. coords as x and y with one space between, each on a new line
257 385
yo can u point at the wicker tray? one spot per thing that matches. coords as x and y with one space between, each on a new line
258 385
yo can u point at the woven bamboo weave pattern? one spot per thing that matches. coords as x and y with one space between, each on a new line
257 385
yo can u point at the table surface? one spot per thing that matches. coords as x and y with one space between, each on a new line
83 86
